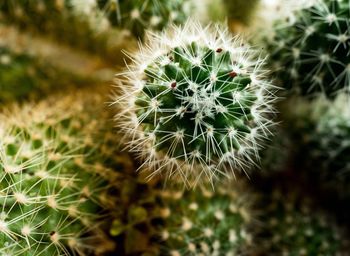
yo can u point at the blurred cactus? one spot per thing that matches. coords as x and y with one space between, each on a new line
311 48
196 103
292 227
322 131
56 193
208 223
77 23
140 15
23 75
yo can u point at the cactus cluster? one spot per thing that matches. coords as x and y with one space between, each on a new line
204 222
22 75
55 193
311 48
292 228
137 16
196 103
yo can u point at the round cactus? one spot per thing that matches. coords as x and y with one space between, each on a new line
207 223
195 102
139 15
55 193
293 228
311 48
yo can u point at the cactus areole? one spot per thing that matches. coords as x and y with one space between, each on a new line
198 101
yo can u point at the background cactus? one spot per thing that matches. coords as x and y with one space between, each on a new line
23 75
293 227
75 23
196 102
322 129
311 48
208 223
139 15
56 191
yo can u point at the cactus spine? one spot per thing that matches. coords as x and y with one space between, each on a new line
196 103
136 16
54 192
207 223
311 49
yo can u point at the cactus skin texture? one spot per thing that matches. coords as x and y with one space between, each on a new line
23 76
140 15
55 191
202 222
311 49
195 103
292 227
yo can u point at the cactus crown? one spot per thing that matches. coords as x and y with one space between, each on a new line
207 223
199 100
139 15
52 199
313 47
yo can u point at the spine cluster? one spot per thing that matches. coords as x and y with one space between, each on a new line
54 193
311 48
207 223
196 102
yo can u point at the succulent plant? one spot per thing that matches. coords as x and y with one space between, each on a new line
75 23
23 75
311 48
202 222
292 227
139 15
196 103
55 189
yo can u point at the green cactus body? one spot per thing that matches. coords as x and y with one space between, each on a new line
205 223
54 189
140 15
311 49
293 228
197 103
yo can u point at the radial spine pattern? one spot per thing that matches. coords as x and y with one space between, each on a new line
196 102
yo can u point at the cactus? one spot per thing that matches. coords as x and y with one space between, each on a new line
55 191
195 103
75 23
138 15
207 223
23 75
322 129
292 227
311 48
